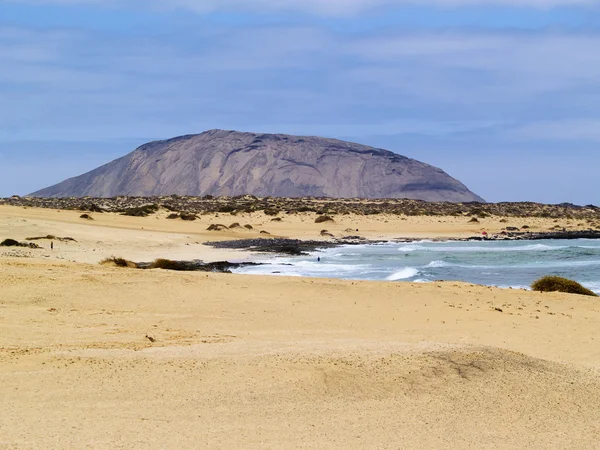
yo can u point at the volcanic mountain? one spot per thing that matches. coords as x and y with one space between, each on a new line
230 163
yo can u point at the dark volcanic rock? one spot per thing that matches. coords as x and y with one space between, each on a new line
292 247
194 266
230 163
567 235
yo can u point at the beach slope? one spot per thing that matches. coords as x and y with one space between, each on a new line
94 356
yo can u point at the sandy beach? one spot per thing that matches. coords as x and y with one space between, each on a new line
93 356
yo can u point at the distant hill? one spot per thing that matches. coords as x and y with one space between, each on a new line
229 163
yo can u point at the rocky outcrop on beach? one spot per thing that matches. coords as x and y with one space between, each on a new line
231 163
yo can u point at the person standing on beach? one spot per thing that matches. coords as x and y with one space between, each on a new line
51 245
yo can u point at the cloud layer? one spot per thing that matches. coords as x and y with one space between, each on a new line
297 78
432 94
319 7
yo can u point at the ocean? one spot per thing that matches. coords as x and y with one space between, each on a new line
504 264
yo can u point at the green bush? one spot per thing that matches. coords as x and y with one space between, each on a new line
560 284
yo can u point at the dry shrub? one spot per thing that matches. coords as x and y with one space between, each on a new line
141 211
50 237
188 217
217 227
322 219
560 284
167 264
119 262
10 243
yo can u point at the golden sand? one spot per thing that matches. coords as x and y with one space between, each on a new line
99 357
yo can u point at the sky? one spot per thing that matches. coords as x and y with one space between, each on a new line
502 94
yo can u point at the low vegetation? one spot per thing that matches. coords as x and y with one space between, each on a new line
179 266
119 262
188 217
143 206
322 219
183 216
560 284
10 243
51 237
217 227
141 211
14 243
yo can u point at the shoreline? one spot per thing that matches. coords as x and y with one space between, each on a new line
106 235
298 247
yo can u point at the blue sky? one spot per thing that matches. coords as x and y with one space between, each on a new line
504 94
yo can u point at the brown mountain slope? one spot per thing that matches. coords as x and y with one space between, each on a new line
228 163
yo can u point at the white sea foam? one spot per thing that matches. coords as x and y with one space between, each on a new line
411 248
485 249
545 265
593 285
499 263
404 274
439 264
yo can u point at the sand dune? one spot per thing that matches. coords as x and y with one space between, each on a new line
261 362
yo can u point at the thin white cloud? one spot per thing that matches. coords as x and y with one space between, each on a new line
317 7
559 130
78 83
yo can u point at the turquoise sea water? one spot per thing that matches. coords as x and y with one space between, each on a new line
494 263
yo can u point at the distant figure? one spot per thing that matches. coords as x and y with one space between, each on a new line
52 245
319 259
